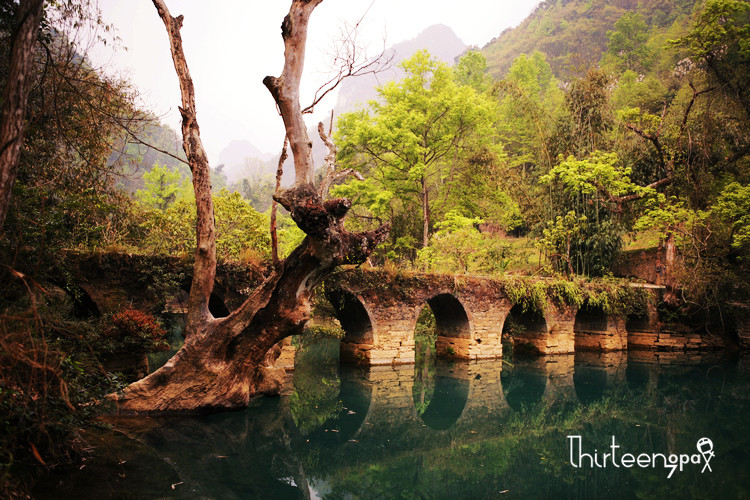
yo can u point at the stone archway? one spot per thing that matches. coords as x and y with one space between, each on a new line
526 330
453 326
443 330
640 331
595 330
590 328
357 325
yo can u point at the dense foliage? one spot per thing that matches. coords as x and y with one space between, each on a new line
593 127
643 141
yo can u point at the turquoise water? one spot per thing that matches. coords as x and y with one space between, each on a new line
457 430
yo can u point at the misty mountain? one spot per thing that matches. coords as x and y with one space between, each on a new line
234 158
441 42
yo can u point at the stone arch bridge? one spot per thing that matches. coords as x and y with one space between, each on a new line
379 311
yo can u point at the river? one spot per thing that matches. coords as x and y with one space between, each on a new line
520 428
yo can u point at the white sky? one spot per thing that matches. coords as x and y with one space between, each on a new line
231 45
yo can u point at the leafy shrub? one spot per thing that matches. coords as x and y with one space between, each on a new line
138 331
239 227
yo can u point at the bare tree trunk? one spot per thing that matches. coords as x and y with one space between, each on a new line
204 267
274 235
670 254
226 361
425 214
16 96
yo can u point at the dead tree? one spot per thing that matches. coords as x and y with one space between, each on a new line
226 361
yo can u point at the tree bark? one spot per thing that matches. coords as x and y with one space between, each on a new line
670 256
16 96
204 267
226 361
425 214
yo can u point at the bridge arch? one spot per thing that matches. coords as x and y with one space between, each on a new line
590 326
453 326
356 321
217 302
596 330
639 330
439 394
526 330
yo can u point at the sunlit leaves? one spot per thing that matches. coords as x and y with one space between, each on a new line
601 175
733 205
413 137
239 227
161 187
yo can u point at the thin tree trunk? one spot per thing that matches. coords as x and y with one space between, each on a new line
425 214
16 96
204 267
670 255
274 206
226 361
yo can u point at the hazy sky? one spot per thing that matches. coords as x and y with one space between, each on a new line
231 45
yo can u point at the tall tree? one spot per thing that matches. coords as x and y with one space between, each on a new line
224 360
414 134
15 97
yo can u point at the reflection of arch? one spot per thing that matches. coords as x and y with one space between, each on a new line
526 327
354 318
590 326
355 398
638 376
590 383
332 401
523 386
447 401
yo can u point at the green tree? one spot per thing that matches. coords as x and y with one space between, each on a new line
162 186
733 206
528 97
412 138
586 232
241 231
720 39
583 127
628 40
471 70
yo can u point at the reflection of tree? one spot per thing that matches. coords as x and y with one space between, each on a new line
425 371
260 453
228 456
315 399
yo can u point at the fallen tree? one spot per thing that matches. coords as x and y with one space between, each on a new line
225 361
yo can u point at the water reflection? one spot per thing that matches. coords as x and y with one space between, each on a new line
524 383
488 428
